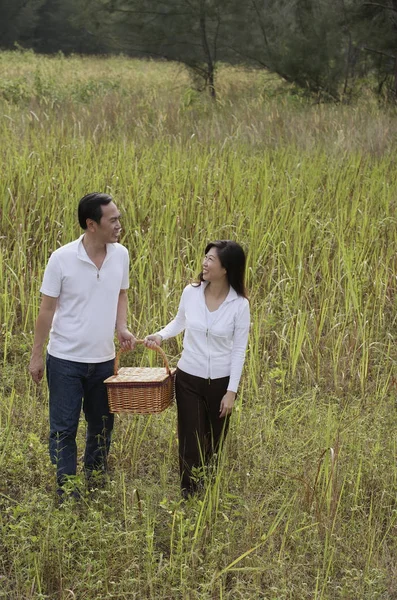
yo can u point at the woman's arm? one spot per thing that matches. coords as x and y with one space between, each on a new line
177 325
240 341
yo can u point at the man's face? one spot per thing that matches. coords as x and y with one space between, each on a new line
108 229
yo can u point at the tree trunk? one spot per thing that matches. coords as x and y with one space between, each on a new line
395 79
211 81
207 52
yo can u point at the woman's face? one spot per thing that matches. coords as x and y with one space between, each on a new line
212 268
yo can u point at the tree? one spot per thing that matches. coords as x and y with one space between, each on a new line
305 41
381 40
63 26
319 45
187 31
18 19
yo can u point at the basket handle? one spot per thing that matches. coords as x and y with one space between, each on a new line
157 349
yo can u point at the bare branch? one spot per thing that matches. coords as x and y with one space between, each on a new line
384 6
255 59
379 52
149 12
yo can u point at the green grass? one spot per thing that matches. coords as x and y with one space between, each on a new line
304 502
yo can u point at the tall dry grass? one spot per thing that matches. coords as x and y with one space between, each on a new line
303 503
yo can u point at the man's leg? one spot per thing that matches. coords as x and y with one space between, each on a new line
65 392
99 419
191 427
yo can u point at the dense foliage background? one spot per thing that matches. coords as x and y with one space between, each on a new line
323 46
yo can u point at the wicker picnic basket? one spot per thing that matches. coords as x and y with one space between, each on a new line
140 390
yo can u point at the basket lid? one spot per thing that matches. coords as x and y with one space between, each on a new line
139 374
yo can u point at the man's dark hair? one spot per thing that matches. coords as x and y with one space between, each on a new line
90 207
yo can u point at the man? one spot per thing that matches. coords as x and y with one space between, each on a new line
84 300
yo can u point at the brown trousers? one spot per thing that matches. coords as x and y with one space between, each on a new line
200 429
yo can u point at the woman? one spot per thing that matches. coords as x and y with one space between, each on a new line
215 316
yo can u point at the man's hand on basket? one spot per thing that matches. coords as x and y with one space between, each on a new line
127 341
152 341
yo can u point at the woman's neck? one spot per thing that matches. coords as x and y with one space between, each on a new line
218 289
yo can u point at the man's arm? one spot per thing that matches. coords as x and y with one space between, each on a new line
126 339
42 329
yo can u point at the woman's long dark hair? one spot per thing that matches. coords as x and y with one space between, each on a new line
232 258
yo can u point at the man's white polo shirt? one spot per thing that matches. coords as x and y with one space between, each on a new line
85 318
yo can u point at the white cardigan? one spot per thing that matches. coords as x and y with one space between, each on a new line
215 350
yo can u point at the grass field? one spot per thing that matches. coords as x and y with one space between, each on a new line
304 504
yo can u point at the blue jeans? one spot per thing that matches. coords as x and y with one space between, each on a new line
71 386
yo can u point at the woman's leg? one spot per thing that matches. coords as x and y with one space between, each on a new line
217 427
192 417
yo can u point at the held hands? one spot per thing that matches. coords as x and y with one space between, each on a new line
127 341
152 341
227 404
